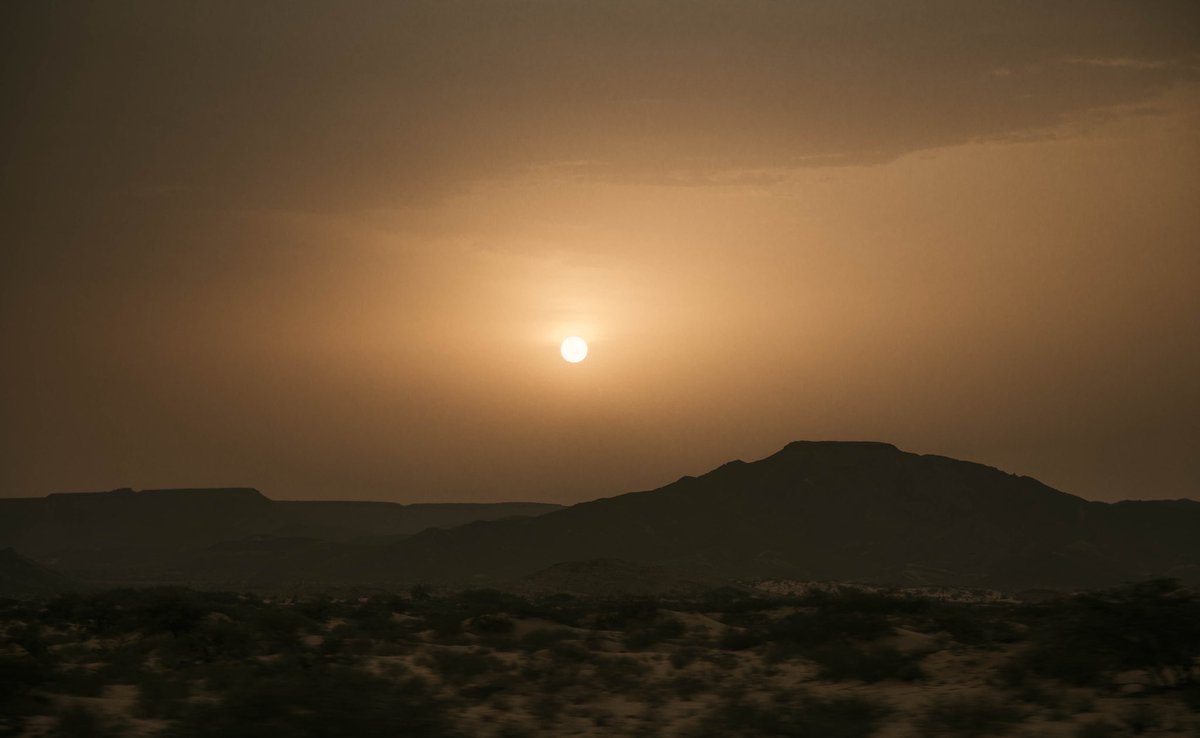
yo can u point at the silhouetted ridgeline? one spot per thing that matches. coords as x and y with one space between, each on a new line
22 577
832 511
815 510
233 535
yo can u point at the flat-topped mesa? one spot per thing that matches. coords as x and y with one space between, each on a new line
173 492
843 447
109 494
232 493
189 494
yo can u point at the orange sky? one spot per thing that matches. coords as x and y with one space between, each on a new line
329 249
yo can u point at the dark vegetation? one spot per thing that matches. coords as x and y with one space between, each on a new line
484 662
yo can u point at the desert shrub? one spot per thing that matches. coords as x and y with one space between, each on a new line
491 625
318 609
170 610
373 619
447 615
561 608
840 661
739 639
625 614
551 676
968 716
98 613
546 707
721 660
569 652
535 640
777 653
513 730
620 673
1014 673
687 686
1141 717
1079 704
228 640
480 601
19 678
973 624
1073 665
14 609
125 663
76 721
866 604
341 647
78 681
729 600
447 627
279 628
1097 729
828 624
316 702
800 717
1150 625
483 691
640 638
162 696
749 619
1039 694
217 640
1190 695
460 667
20 675
29 638
684 656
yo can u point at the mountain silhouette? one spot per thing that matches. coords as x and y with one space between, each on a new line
127 531
827 511
20 577
846 511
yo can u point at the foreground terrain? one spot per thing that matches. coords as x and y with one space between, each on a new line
755 661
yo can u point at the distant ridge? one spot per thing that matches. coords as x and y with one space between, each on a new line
829 510
20 577
131 531
209 493
815 510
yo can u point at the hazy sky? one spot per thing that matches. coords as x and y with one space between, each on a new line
328 249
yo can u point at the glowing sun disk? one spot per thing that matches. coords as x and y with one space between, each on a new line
574 349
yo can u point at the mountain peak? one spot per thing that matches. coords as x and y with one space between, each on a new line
842 446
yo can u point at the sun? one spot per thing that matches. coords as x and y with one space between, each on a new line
574 349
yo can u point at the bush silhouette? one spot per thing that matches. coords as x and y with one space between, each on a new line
1151 625
840 661
797 717
317 703
968 716
76 721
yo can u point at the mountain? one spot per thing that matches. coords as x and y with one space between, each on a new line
825 511
20 577
125 534
847 511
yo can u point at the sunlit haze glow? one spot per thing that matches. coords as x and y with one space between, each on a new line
327 249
